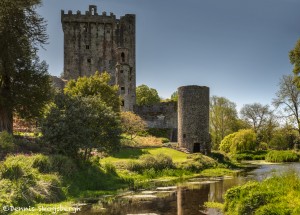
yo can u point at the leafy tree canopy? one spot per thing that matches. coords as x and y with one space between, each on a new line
81 123
146 95
24 81
95 85
295 60
174 96
132 124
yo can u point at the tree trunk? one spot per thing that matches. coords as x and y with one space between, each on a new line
6 119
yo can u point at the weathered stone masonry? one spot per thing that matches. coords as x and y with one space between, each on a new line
193 118
94 42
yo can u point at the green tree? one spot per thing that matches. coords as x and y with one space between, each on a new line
295 60
243 140
132 124
95 85
174 96
223 119
256 115
288 97
146 95
77 124
24 81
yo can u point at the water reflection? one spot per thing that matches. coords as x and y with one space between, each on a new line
185 199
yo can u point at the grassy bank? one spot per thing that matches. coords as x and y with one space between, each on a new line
282 156
277 195
32 180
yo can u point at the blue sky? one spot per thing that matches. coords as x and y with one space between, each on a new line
238 48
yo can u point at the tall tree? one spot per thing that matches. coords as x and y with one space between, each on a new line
288 97
295 60
24 81
256 114
146 95
223 119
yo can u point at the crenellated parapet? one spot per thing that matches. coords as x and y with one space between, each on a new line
88 16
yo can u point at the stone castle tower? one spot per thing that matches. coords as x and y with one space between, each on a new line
94 42
193 118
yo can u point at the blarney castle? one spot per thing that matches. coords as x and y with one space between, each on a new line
103 42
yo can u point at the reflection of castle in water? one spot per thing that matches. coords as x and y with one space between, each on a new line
187 199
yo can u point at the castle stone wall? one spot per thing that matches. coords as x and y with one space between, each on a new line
193 118
162 115
101 42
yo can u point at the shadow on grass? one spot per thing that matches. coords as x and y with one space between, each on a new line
90 178
130 153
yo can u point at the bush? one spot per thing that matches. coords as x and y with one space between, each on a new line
6 141
250 155
227 142
28 186
197 162
282 156
240 141
156 162
81 123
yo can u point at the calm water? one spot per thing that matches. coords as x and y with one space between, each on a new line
183 199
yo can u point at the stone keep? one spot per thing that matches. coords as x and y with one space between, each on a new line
193 118
94 42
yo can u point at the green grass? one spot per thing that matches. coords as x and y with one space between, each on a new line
250 155
217 172
276 195
135 153
282 156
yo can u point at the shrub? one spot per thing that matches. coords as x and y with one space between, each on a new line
156 162
81 123
6 141
250 155
27 185
197 162
148 141
282 156
240 141
165 140
226 143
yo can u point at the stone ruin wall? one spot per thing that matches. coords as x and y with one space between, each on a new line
162 115
193 118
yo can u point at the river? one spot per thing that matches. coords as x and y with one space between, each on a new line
182 199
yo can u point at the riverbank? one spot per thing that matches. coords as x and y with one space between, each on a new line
47 179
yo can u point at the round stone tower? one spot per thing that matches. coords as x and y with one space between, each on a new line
193 118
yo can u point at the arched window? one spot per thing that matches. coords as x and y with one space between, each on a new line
123 57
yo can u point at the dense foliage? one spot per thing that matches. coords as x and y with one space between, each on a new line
85 123
295 60
282 156
243 140
24 81
132 124
146 95
223 119
96 85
